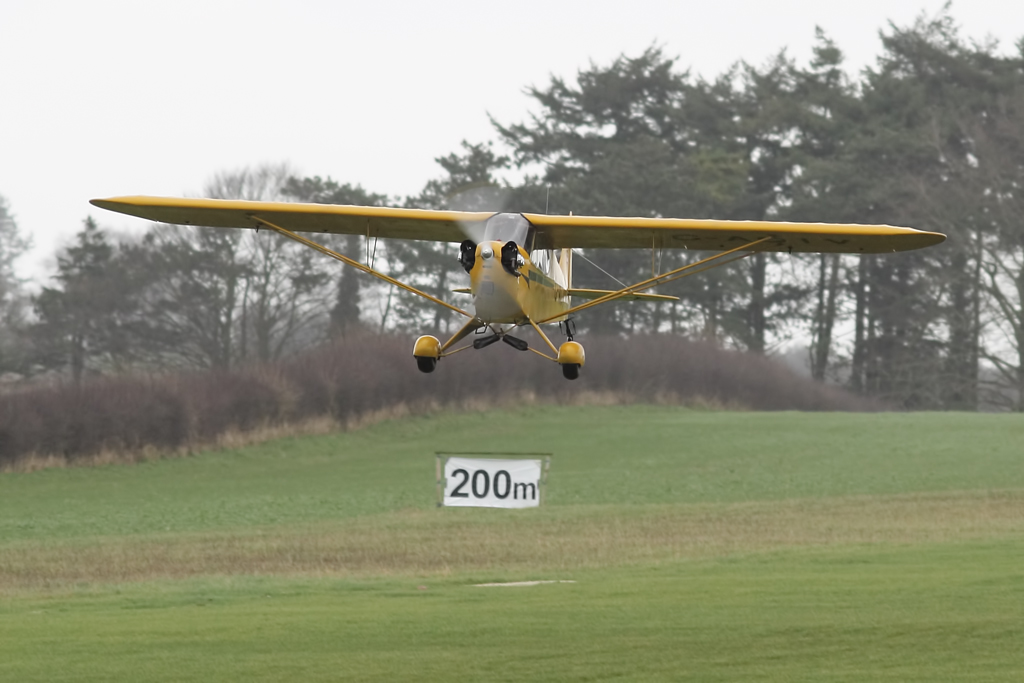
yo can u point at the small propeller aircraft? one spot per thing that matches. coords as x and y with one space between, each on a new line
520 264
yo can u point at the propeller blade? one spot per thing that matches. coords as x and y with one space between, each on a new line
483 197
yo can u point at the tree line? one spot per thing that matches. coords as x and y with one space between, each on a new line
931 136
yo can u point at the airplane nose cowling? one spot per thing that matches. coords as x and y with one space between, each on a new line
496 297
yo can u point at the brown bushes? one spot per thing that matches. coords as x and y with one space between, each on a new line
353 378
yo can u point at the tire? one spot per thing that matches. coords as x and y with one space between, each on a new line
426 364
570 371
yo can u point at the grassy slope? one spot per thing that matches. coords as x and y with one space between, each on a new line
626 455
719 545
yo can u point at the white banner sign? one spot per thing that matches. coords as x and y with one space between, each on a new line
474 482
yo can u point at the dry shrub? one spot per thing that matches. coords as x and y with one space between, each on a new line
366 378
124 414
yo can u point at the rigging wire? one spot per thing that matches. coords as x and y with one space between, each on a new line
621 283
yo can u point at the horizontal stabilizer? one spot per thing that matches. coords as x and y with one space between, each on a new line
598 293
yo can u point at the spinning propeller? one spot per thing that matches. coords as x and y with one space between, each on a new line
479 197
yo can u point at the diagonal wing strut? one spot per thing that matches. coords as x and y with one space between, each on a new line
357 265
719 259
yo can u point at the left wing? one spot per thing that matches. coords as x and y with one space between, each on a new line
370 221
558 232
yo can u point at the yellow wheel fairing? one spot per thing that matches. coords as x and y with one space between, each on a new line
427 347
571 353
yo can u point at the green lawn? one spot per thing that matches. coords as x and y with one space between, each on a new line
704 546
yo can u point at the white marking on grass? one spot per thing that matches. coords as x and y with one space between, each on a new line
517 584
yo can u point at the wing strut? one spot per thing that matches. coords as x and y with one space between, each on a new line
356 264
689 269
467 329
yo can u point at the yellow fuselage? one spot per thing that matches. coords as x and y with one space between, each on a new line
501 297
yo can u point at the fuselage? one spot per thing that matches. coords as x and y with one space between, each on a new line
501 296
510 281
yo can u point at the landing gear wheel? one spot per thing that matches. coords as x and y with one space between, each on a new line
426 364
571 358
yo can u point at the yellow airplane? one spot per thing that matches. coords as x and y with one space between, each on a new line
520 264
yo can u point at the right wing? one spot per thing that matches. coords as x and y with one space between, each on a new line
368 221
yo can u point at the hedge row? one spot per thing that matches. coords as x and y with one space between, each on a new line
356 376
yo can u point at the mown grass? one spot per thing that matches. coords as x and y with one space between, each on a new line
705 545
926 613
452 543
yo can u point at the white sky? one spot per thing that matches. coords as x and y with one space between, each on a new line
116 97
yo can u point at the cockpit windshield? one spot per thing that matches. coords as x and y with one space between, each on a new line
508 227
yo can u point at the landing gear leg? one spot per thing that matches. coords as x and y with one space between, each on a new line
428 350
568 327
570 354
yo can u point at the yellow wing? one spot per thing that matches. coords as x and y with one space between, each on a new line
373 221
551 232
558 232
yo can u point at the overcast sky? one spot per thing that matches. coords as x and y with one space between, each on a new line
116 97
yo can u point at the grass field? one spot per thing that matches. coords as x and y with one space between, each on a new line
703 546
